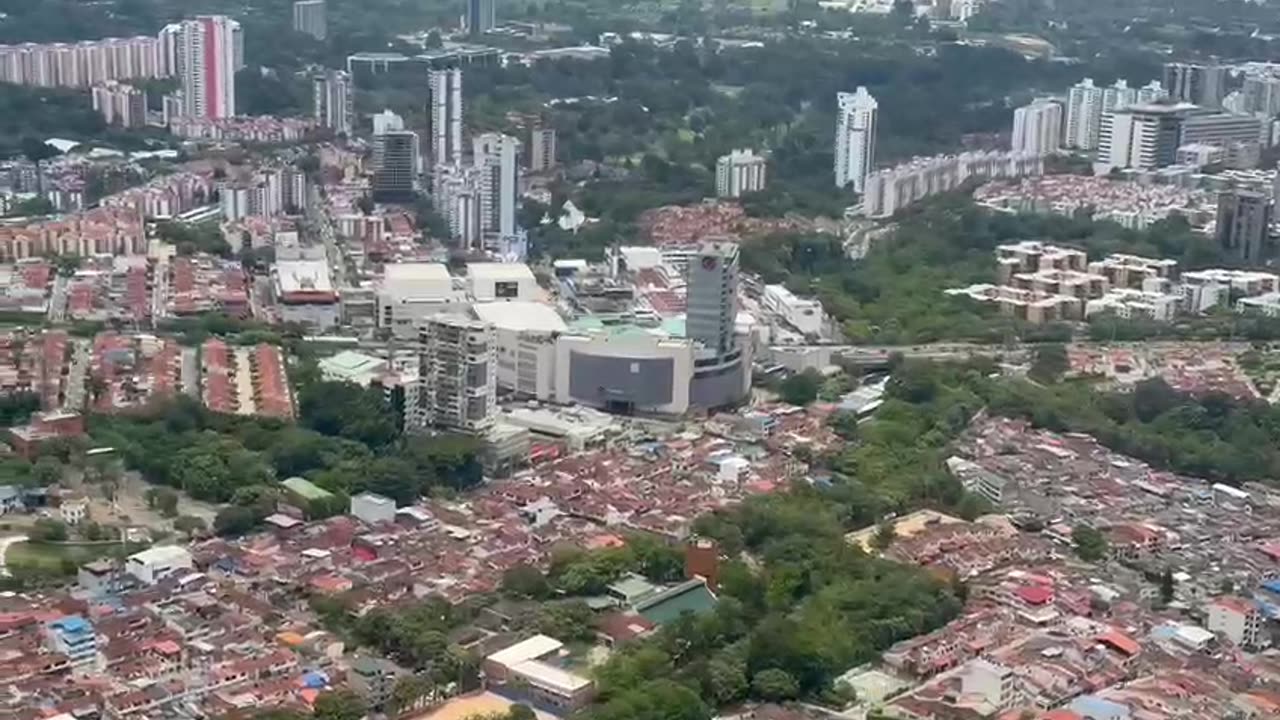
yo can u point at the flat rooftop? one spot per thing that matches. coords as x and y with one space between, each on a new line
499 271
520 315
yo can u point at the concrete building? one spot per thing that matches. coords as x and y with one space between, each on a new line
373 679
458 197
1028 305
893 189
482 16
119 104
205 54
1220 129
855 145
803 315
523 670
353 367
722 375
542 149
1037 128
1084 115
333 100
74 637
395 163
1128 303
304 293
1267 304
741 171
1244 225
310 17
1133 271
995 684
1239 620
626 372
159 563
496 160
1203 85
487 282
445 118
526 334
458 374
1142 137
1261 95
409 293
373 509
385 122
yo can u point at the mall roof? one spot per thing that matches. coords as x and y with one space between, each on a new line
520 315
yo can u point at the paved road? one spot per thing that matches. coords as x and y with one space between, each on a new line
4 549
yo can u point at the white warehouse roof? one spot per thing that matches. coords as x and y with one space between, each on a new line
520 315
525 650
499 271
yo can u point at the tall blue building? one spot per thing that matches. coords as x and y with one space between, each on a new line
481 16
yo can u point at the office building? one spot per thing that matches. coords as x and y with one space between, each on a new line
385 122
1203 85
722 373
409 293
481 16
624 372
309 17
496 158
395 157
803 314
1220 129
741 171
1143 137
458 374
542 149
1084 115
1244 225
445 117
1037 128
526 334
333 100
855 147
205 54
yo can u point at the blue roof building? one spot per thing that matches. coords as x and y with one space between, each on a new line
74 637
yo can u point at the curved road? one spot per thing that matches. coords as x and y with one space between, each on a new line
4 549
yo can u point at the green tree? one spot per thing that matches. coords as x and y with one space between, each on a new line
48 530
163 500
886 533
774 685
339 705
1090 545
46 471
235 520
726 681
802 388
190 525
525 581
1049 363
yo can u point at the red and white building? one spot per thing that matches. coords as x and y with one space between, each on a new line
204 54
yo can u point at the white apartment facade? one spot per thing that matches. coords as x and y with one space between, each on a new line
1037 128
741 171
855 145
